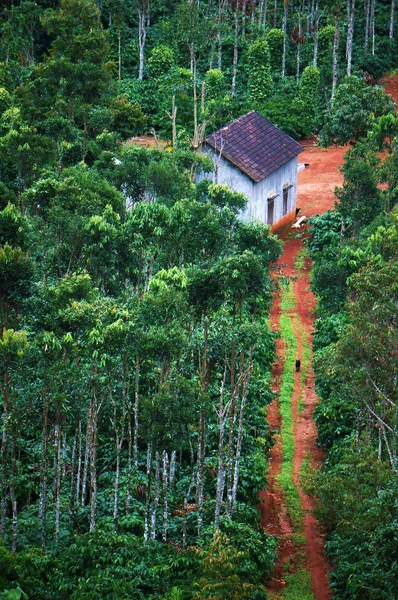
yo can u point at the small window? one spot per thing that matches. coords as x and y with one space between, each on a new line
270 212
286 189
285 201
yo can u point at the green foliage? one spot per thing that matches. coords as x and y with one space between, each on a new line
355 107
160 61
358 503
259 78
274 39
220 577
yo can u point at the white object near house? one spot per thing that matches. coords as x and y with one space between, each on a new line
256 158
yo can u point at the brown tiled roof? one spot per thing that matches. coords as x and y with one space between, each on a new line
254 145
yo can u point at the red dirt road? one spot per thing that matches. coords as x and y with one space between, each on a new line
315 196
316 186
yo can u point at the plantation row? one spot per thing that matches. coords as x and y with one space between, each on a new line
354 249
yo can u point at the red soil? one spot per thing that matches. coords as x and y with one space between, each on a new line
316 186
315 196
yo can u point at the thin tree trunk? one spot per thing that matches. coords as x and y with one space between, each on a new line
155 497
86 455
119 49
236 51
298 47
367 22
202 430
57 479
222 411
79 461
165 493
172 475
143 19
239 440
284 28
316 35
129 461
392 18
244 7
275 13
335 54
43 475
136 409
72 497
93 463
4 452
12 487
350 35
372 24
148 492
200 468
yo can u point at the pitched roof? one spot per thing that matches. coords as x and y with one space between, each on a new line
254 145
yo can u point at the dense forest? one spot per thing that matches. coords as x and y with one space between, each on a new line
135 345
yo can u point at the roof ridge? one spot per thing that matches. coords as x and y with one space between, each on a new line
255 145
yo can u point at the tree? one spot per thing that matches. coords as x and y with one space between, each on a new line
259 80
354 108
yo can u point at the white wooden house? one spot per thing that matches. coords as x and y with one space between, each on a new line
256 158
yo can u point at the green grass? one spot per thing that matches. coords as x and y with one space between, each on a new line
298 583
288 301
300 259
298 586
285 478
306 358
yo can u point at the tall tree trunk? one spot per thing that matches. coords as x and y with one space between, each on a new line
236 50
372 24
172 475
195 100
87 454
148 492
79 462
240 436
316 34
119 51
284 28
262 13
350 34
12 484
200 468
136 409
275 13
165 494
392 17
202 427
57 478
155 497
244 8
43 474
4 452
367 21
300 33
72 497
335 53
143 19
222 412
129 461
93 462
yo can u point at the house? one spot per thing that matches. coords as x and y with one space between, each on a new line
256 158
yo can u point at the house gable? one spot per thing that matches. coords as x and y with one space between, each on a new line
254 145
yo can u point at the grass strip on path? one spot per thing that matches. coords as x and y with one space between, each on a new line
299 582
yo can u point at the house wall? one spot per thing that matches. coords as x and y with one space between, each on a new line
258 193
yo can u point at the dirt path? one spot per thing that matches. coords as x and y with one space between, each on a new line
316 186
316 196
